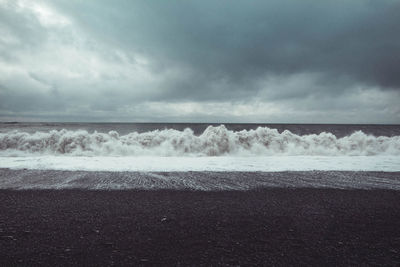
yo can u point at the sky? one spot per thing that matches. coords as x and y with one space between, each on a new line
279 61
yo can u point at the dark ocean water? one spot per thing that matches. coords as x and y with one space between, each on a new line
339 130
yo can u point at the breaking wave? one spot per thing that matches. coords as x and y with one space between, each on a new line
214 141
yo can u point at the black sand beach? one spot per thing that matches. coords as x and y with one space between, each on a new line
258 227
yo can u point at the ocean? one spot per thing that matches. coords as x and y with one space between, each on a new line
197 156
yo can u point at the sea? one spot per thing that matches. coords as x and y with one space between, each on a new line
199 156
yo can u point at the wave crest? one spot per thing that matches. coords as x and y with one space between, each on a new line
214 141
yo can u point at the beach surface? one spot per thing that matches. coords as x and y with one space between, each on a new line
269 226
195 180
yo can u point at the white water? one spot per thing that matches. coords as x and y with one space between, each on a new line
216 149
214 141
179 164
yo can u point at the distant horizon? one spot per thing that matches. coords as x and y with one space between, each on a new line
220 123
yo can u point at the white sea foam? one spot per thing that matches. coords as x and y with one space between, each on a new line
214 141
203 164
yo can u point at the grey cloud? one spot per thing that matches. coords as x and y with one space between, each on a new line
24 30
242 41
285 52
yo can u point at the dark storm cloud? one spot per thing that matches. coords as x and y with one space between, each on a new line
238 42
112 59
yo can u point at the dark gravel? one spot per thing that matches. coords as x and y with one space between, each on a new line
260 227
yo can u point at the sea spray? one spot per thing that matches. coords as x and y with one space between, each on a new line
214 141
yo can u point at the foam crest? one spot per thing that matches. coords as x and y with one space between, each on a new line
214 141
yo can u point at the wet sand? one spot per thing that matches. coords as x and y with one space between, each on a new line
202 181
273 226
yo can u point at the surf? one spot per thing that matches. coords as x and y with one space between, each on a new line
213 141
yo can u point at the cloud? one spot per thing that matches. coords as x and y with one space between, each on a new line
201 60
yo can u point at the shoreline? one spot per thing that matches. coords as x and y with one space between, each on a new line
196 180
269 226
